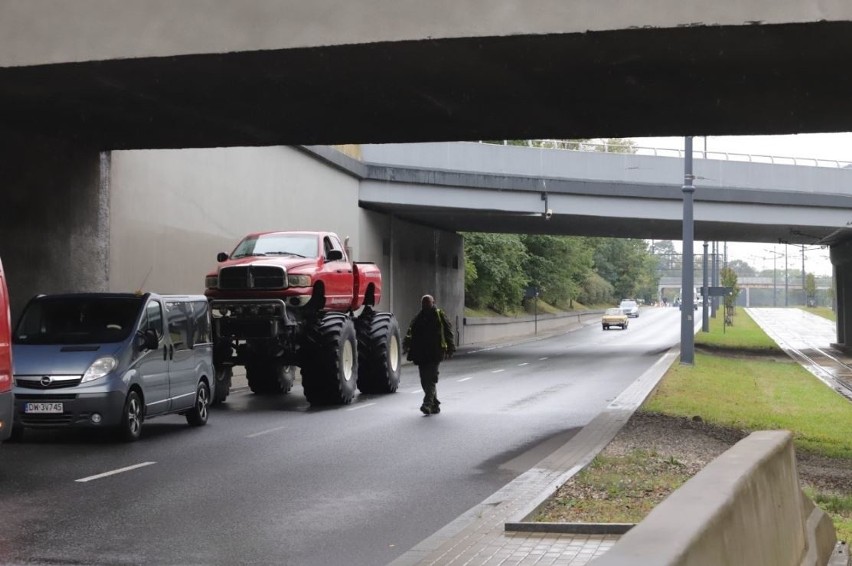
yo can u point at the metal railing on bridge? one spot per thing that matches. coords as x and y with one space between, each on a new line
621 147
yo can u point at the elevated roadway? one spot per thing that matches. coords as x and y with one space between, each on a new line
210 73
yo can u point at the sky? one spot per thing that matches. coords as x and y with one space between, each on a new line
827 148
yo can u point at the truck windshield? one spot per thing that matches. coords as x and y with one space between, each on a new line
77 320
302 245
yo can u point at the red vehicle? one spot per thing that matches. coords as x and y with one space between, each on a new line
5 360
286 299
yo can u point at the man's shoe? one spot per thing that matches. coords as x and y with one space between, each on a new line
425 410
436 409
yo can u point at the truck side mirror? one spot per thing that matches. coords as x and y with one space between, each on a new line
334 255
221 256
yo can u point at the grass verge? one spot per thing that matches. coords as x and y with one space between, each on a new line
733 386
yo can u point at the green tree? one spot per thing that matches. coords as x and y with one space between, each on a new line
728 278
557 266
810 289
621 263
742 268
498 263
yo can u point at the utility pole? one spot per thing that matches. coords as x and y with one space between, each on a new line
786 279
687 300
804 294
705 319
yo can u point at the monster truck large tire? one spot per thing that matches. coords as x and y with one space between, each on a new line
379 352
330 362
223 377
270 377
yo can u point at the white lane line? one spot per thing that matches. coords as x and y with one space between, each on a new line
261 433
113 472
365 405
464 379
542 359
498 370
417 391
524 364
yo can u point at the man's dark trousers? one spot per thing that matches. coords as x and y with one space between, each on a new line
429 383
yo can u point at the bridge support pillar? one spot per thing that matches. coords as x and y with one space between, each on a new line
841 259
54 221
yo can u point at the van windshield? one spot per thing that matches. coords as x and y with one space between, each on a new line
77 320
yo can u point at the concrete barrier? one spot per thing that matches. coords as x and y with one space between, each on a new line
745 507
489 329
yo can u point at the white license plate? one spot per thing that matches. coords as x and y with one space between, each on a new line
43 408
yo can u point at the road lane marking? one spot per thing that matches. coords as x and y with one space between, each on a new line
498 370
524 364
542 359
360 406
416 391
113 472
464 379
261 433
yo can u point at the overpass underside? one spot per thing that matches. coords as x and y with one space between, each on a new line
692 80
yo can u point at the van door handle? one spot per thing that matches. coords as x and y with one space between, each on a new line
165 353
171 352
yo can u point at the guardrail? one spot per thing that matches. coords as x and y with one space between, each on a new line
476 330
616 147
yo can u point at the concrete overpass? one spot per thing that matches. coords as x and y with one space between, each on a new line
210 73
496 188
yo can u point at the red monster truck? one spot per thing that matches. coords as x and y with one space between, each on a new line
287 299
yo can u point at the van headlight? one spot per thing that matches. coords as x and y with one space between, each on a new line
99 368
211 281
298 280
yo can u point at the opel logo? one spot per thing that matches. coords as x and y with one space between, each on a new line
46 380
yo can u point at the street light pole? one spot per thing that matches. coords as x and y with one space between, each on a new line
705 319
687 299
786 279
804 294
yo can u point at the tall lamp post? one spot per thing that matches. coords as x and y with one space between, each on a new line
687 300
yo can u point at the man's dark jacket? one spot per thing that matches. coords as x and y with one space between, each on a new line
429 338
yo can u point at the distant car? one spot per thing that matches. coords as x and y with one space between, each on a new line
630 308
614 317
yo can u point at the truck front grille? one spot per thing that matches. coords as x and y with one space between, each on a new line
252 277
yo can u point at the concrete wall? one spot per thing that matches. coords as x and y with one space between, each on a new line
54 217
174 210
426 261
49 31
745 507
488 329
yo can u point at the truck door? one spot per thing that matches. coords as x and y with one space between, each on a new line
153 365
182 378
339 283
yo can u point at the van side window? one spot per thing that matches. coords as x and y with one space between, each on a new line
201 320
153 319
178 319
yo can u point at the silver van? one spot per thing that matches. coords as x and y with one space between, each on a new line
111 360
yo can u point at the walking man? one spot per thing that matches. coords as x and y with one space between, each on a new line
428 341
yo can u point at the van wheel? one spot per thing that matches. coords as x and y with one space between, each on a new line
132 416
197 416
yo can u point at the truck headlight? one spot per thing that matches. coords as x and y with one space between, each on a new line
299 280
211 281
99 368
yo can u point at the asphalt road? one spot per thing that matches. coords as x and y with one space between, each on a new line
272 481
